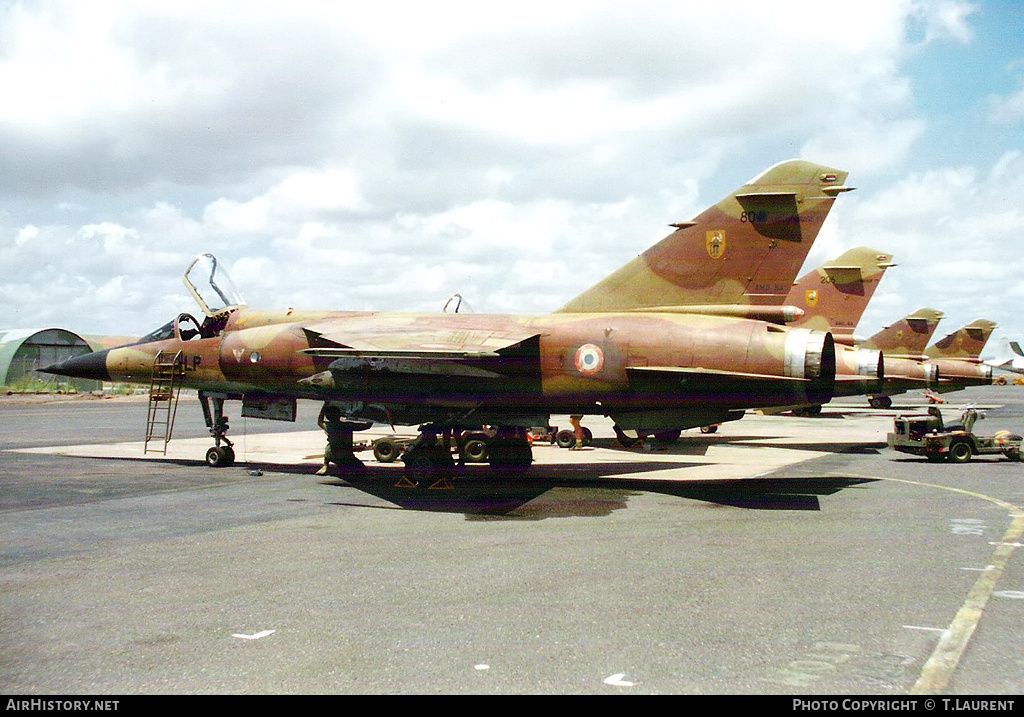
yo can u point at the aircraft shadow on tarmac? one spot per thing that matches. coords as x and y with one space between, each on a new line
698 446
597 490
571 489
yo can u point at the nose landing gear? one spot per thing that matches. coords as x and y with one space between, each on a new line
222 453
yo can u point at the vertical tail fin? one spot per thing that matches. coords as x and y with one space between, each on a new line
967 343
835 295
908 337
747 249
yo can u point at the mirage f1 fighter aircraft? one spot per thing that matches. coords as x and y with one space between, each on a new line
689 333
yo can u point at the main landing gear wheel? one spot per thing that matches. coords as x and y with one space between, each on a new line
220 456
668 436
880 402
427 462
510 450
422 469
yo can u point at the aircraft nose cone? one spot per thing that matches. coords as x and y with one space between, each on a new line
89 366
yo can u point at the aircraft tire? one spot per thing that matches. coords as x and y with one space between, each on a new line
588 436
960 452
565 438
509 455
713 428
386 450
421 469
668 436
220 457
475 451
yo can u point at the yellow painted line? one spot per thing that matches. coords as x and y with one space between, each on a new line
939 669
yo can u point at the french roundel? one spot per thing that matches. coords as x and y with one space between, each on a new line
589 359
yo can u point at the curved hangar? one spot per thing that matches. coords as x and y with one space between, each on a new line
24 351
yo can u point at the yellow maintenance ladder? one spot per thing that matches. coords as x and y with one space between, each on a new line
164 387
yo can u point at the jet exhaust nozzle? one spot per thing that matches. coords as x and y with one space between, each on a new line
812 355
869 362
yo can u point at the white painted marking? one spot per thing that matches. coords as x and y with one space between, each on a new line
981 570
617 681
1009 545
930 629
257 636
481 667
967 526
1012 594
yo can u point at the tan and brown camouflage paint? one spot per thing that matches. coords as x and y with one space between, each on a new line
834 296
267 357
747 249
908 337
967 343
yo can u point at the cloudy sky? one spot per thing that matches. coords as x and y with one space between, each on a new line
385 155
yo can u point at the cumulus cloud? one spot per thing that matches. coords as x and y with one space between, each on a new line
386 155
1007 109
954 233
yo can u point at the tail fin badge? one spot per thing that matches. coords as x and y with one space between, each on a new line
812 297
589 359
716 243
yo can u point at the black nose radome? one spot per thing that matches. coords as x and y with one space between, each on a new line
90 366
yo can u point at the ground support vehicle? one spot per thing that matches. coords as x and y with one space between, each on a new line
926 435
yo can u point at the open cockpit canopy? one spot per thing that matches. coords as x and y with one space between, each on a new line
211 286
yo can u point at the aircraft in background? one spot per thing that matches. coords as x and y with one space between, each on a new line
906 341
958 357
834 298
688 334
1009 358
835 295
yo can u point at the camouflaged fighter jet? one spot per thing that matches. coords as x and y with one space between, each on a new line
687 334
905 342
835 295
833 298
958 357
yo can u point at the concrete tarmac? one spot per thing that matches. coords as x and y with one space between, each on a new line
780 555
